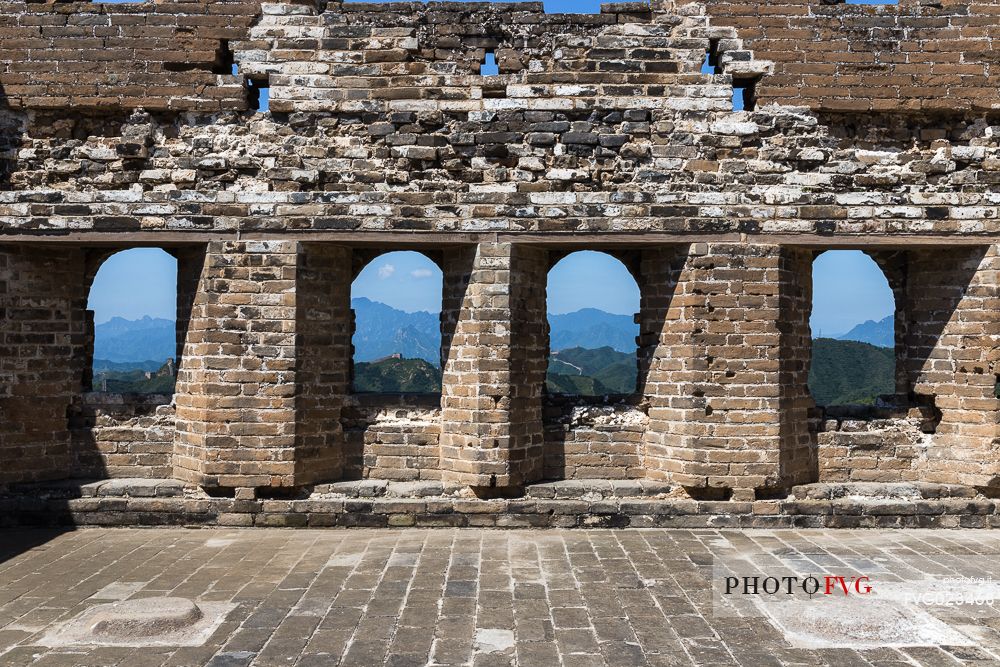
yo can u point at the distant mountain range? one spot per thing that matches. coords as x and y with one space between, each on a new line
394 376
381 331
146 339
592 329
592 352
879 334
592 372
577 371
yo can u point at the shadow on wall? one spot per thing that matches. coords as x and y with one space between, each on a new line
11 133
946 355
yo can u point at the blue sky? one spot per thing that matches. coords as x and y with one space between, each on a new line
134 283
589 279
404 280
848 287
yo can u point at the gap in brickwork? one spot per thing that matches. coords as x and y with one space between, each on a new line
489 65
259 95
592 301
711 62
744 90
132 320
225 59
744 94
396 300
853 361
709 493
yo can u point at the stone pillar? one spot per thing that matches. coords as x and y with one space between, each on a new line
190 265
323 360
952 312
720 331
235 392
494 348
666 355
895 267
43 304
798 457
265 366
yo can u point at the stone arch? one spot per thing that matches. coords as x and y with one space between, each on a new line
417 336
845 371
590 272
126 427
96 262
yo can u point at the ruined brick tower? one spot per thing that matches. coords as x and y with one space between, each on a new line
867 127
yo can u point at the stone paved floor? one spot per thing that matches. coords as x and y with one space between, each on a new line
461 597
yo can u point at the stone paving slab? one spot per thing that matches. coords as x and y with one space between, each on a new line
486 597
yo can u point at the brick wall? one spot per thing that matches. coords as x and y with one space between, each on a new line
152 55
909 57
585 439
121 435
392 437
236 382
797 457
600 132
430 52
495 362
723 380
323 326
42 333
872 445
556 146
952 329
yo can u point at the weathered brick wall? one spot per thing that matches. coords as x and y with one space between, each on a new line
122 435
587 440
392 437
724 383
433 53
600 132
872 445
797 458
494 370
235 391
323 325
97 55
42 329
908 57
952 338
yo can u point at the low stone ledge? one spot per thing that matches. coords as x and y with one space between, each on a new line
124 488
884 490
124 503
602 488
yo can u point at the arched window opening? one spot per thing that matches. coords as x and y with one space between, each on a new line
853 327
133 299
397 325
592 300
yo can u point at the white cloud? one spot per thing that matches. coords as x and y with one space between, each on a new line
386 270
421 273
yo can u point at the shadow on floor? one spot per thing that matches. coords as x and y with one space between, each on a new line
16 541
